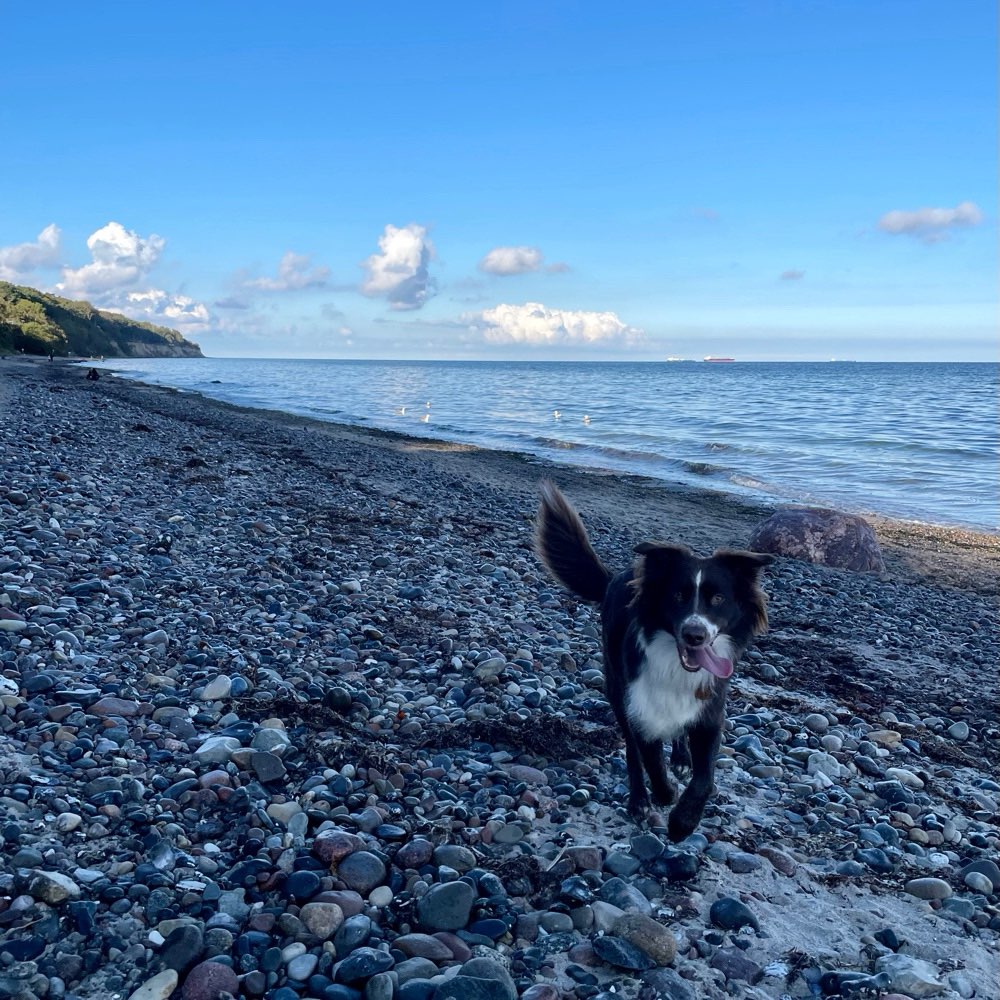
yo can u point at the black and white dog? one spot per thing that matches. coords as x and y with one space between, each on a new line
673 625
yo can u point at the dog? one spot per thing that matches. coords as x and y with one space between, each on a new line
673 627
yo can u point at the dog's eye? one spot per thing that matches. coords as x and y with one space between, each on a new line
717 599
678 596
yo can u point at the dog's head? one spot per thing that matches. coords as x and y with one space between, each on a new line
712 607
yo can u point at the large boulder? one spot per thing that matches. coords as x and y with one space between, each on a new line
822 536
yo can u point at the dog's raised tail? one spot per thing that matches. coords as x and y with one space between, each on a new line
563 545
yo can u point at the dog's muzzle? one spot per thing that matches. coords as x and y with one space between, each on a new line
696 652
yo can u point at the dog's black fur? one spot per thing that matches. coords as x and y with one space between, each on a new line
673 625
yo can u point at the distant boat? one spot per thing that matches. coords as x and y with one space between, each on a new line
710 358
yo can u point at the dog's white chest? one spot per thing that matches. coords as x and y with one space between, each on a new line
663 700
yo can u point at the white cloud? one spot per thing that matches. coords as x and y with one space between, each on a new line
121 257
534 323
930 224
157 306
792 274
511 260
293 274
399 271
20 260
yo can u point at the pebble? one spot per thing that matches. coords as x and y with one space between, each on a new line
446 907
928 888
217 689
646 934
53 888
207 980
621 954
979 883
159 987
911 976
730 914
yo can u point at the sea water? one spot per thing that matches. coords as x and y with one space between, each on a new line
917 441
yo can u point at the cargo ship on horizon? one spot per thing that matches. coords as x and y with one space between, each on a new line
710 358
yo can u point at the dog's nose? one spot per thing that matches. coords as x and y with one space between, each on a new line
694 634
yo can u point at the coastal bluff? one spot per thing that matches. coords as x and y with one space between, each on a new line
35 322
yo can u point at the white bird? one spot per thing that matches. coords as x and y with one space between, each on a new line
556 414
425 418
586 418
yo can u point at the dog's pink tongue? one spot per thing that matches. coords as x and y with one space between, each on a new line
709 660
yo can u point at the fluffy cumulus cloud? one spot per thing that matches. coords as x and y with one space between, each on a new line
399 272
117 279
17 262
511 260
120 258
294 273
534 323
157 306
930 224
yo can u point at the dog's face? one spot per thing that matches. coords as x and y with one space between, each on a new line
711 607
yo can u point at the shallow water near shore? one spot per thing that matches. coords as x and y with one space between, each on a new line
916 441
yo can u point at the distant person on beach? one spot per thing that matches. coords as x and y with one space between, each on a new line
93 375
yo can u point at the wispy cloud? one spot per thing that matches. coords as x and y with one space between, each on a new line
506 261
930 225
792 275
399 272
534 323
294 274
22 259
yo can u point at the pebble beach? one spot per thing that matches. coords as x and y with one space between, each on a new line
290 710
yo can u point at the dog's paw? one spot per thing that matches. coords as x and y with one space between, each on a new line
638 806
683 821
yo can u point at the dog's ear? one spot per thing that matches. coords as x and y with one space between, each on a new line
664 549
749 563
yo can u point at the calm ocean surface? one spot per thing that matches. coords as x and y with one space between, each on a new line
917 441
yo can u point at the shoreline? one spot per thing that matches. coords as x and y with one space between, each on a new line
909 546
347 684
775 497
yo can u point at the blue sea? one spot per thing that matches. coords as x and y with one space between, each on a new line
915 441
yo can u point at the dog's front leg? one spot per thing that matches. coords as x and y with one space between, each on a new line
662 786
704 740
638 797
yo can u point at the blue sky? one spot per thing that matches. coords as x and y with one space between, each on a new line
757 179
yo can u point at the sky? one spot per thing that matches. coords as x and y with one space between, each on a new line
760 179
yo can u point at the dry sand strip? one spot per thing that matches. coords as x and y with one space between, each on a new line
341 738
